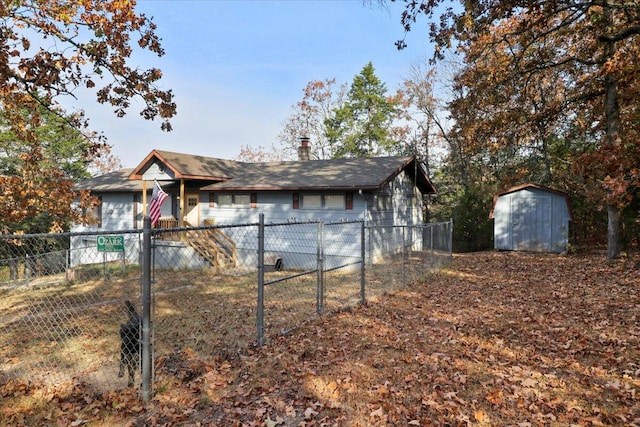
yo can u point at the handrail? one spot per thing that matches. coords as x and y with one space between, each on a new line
164 223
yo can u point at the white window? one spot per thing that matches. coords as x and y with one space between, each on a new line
235 200
323 201
241 200
334 201
225 200
311 201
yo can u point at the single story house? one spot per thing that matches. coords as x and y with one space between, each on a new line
530 217
382 191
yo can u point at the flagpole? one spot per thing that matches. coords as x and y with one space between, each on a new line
157 199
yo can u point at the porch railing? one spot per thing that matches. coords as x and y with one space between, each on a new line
164 223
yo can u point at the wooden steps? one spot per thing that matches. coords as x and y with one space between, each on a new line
214 246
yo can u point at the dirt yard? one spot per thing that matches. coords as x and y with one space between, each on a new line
495 339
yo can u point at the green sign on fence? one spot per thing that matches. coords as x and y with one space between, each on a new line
111 243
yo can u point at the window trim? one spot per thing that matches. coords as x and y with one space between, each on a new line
88 213
348 201
136 200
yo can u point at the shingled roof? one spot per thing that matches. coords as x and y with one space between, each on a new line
116 181
228 175
190 166
339 174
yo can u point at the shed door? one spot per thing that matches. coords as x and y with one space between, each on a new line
531 224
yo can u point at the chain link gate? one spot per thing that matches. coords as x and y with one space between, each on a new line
203 298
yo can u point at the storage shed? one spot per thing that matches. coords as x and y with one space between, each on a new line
530 217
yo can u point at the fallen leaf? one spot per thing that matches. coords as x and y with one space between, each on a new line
377 413
481 417
309 413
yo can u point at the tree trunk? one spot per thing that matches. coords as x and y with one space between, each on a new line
614 227
612 120
614 232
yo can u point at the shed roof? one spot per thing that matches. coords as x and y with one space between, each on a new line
528 186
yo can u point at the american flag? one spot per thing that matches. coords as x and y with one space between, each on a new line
157 198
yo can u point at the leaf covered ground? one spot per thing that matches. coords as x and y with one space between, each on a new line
496 338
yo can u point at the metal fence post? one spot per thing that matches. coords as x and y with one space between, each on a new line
451 240
260 308
363 254
403 249
431 239
320 267
146 310
371 247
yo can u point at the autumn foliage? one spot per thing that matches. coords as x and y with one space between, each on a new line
495 339
547 93
39 188
49 50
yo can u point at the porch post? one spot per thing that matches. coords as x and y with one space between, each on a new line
144 198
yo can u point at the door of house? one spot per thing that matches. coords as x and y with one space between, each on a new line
191 211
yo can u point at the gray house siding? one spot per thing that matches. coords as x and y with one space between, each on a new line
84 250
117 213
383 192
277 207
296 244
531 219
407 201
398 203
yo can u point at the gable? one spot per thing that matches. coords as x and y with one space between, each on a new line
169 165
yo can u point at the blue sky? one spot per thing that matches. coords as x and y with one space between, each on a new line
237 67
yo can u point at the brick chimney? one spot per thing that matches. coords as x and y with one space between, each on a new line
304 151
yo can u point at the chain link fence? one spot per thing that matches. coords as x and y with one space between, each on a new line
213 291
400 255
62 301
